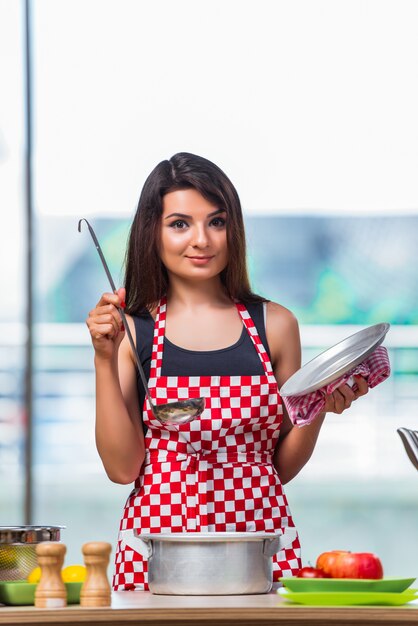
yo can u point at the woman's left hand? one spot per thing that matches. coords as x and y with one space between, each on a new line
341 399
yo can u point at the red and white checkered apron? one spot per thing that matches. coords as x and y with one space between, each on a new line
214 473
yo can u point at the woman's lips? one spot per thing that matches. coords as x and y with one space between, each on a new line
200 260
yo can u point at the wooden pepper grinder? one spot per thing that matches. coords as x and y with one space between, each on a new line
96 589
50 592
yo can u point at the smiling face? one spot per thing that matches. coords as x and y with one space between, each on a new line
193 242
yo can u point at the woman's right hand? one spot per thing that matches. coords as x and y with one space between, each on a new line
105 324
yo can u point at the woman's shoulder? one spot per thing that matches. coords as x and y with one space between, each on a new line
278 319
280 314
282 328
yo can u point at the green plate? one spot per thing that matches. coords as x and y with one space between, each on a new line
20 592
348 598
391 585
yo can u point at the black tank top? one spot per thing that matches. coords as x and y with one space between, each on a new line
240 359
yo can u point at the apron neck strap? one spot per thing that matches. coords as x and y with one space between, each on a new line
255 338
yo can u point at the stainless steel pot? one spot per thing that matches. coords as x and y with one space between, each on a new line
209 563
17 548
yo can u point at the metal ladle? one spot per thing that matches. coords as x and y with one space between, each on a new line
173 413
410 441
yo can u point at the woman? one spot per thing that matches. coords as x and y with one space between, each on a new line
200 331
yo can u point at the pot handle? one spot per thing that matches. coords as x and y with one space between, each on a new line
279 541
142 546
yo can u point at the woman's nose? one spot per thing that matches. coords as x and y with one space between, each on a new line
200 237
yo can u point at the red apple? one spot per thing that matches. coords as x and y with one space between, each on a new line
312 572
327 561
343 564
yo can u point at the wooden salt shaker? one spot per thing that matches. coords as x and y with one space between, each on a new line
50 592
96 589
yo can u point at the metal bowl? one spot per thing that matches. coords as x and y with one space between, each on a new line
17 548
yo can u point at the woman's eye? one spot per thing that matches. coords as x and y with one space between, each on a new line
179 224
218 222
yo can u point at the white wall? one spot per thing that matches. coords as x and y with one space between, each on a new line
308 105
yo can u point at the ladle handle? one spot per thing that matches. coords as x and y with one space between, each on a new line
121 311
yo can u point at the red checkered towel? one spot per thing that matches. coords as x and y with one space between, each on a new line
303 410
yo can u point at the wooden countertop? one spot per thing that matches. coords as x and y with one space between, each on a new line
146 609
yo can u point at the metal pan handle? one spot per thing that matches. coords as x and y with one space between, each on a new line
142 546
279 541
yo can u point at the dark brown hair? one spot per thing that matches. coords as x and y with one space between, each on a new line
146 279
